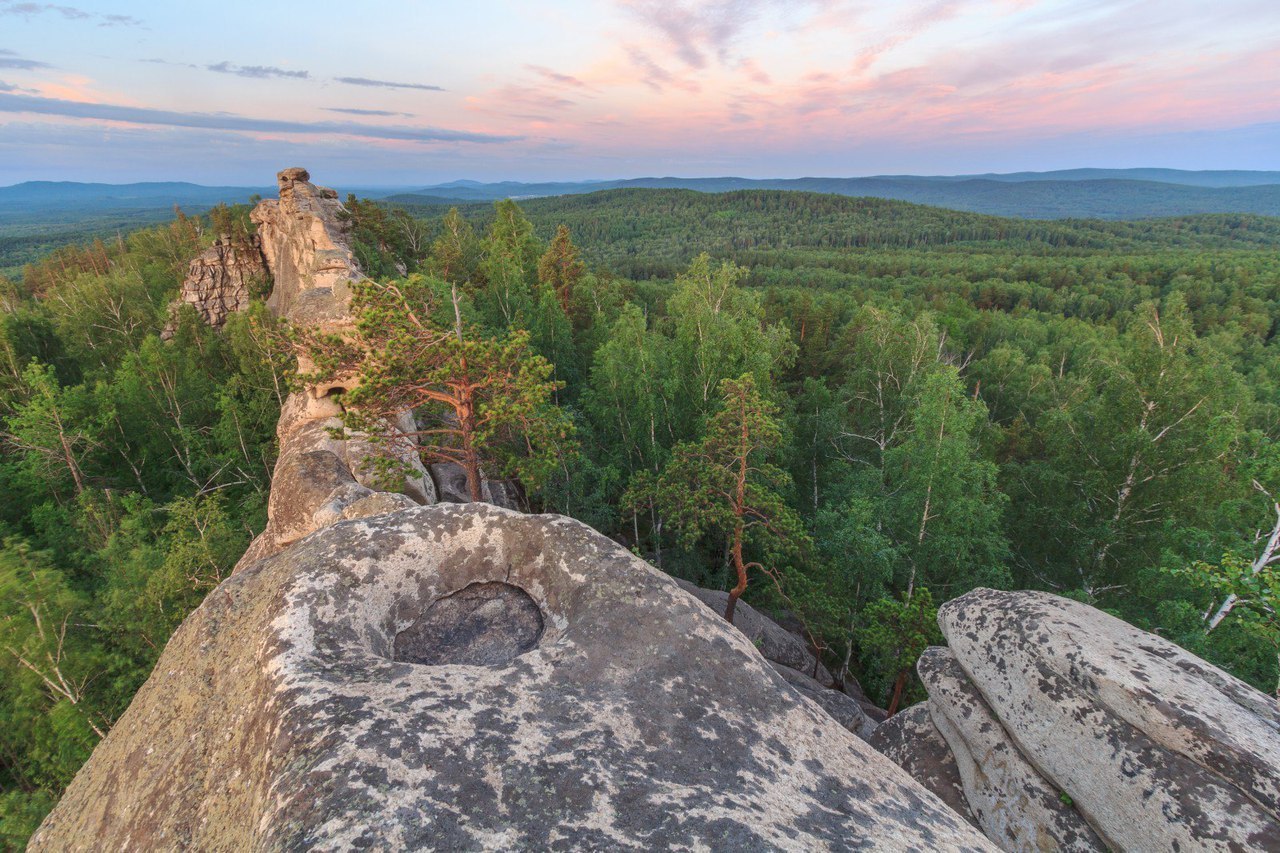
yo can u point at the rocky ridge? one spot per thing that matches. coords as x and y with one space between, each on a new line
382 673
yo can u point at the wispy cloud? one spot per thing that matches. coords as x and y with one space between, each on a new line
71 13
9 59
557 77
259 72
352 111
699 29
387 84
654 75
10 103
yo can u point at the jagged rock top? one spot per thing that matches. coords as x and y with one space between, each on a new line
464 677
307 246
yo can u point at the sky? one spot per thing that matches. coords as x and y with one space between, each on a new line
383 93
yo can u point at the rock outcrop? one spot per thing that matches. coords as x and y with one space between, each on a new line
222 279
911 740
380 674
1071 729
318 479
462 677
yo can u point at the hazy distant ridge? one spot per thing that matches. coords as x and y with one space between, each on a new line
1073 193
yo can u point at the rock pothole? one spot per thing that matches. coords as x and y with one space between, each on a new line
484 624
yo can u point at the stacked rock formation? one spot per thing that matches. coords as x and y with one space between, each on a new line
1056 726
378 674
318 479
221 279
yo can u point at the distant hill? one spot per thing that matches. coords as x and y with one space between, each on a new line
645 233
1211 178
1071 193
42 195
1078 193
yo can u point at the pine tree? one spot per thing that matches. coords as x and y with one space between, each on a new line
724 484
485 401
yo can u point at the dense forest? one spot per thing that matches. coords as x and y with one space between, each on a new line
935 401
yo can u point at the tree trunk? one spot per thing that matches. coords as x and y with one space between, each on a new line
741 569
899 685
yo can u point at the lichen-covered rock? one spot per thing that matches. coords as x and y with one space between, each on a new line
911 740
462 677
1015 806
222 279
1154 748
843 708
1157 748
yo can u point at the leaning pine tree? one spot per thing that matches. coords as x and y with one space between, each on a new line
724 484
481 401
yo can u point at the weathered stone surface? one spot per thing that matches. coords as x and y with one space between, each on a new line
1015 806
307 245
278 717
221 279
1157 749
485 624
911 740
843 708
776 643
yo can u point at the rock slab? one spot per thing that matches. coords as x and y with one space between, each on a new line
280 717
221 280
1072 729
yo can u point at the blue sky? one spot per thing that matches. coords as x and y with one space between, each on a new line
400 93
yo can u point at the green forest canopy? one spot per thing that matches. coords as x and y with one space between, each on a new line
1084 407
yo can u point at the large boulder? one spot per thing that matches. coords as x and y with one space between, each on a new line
1061 716
465 677
1015 805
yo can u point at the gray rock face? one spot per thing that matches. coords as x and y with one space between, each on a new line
776 643
221 280
485 624
911 740
844 709
1153 748
318 479
386 682
1015 806
792 659
450 481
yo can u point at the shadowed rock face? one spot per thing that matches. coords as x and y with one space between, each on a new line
1046 703
485 624
622 714
913 742
220 280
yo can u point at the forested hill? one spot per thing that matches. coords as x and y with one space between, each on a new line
647 233
1043 196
